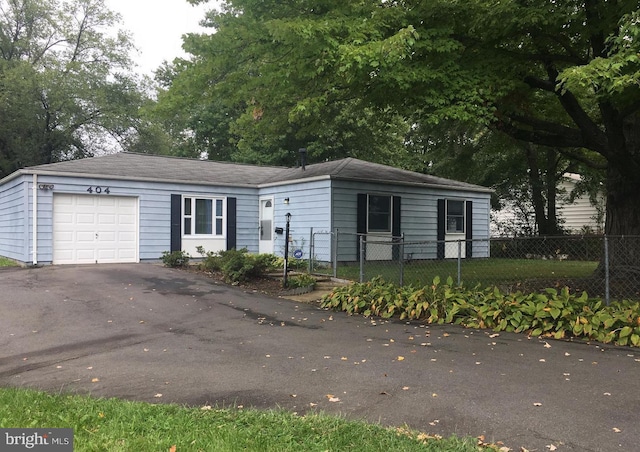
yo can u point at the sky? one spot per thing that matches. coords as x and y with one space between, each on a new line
157 27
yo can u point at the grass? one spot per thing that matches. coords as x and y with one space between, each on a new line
484 271
4 262
116 425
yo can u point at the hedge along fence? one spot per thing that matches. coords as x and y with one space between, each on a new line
548 314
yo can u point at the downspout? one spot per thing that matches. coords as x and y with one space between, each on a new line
34 231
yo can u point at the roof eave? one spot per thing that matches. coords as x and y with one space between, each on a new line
137 178
475 189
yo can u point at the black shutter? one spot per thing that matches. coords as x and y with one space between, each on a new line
176 223
469 229
396 230
440 228
232 229
361 222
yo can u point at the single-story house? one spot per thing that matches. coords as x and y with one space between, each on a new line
128 207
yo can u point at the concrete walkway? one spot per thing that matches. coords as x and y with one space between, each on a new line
154 334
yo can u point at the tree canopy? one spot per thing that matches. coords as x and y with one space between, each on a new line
560 74
64 88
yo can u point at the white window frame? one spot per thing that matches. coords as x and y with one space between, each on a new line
192 214
449 217
390 229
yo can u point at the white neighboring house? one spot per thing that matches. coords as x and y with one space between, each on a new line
580 216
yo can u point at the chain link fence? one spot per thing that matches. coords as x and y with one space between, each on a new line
603 266
321 253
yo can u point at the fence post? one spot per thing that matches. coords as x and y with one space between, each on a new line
335 253
361 258
459 262
311 250
401 257
607 295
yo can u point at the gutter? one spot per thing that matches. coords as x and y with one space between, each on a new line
35 221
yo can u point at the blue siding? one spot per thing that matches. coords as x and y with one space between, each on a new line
419 215
309 206
14 220
154 210
322 205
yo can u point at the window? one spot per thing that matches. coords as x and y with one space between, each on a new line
379 216
203 216
455 217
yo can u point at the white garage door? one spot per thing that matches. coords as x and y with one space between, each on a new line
91 229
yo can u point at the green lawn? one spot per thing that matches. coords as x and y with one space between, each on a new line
486 272
115 425
4 262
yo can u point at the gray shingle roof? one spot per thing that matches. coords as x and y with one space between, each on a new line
134 166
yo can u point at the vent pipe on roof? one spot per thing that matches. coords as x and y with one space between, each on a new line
303 157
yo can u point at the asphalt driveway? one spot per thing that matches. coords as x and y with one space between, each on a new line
154 334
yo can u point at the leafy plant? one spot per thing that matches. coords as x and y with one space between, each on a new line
175 259
302 280
552 313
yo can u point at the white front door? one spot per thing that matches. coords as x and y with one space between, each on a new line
266 226
90 229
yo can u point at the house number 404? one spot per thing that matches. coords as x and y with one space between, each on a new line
98 190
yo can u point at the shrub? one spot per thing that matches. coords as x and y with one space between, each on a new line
175 259
302 280
238 265
548 314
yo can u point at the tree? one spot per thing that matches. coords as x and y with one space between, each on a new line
243 97
492 63
62 95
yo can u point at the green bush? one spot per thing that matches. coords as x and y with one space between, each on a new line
302 280
175 259
236 265
548 314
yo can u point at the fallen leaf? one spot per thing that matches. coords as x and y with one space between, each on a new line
158 395
311 404
400 358
445 335
172 448
334 399
95 380
617 430
547 345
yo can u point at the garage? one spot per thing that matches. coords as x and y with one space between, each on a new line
91 229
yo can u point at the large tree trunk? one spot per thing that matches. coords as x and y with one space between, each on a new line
623 204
